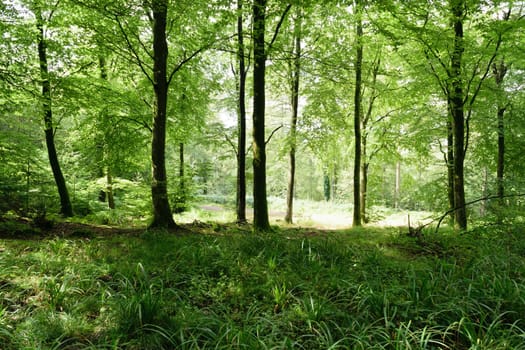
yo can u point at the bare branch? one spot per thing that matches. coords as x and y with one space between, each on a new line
470 203
272 133
141 64
184 61
278 27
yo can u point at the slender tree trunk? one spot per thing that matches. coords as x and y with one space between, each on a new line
500 70
260 204
397 190
365 160
162 216
484 188
457 98
66 208
241 122
501 155
182 184
109 178
180 202
364 187
357 113
295 108
450 165
327 188
334 184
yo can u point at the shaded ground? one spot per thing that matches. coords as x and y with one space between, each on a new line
23 228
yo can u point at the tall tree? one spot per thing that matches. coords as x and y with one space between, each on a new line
162 216
357 112
295 71
260 205
457 96
241 120
108 192
261 221
500 70
66 208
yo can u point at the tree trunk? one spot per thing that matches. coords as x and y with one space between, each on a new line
363 188
109 178
260 204
357 113
295 108
484 189
365 159
450 164
162 216
109 188
499 74
180 202
66 208
334 184
326 187
241 122
457 98
397 190
501 155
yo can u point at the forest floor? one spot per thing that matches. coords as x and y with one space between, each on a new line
213 285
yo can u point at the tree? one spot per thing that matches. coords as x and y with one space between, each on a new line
357 112
456 98
295 71
260 204
66 208
108 193
125 30
241 120
260 51
162 216
500 70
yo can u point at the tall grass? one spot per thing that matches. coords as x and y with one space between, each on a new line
367 289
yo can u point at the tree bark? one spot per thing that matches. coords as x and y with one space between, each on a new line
66 209
295 108
357 113
241 122
162 216
260 205
458 115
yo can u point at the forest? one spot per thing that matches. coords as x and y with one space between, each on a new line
264 174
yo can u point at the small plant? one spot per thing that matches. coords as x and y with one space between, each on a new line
280 296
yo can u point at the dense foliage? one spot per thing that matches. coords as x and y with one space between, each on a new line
83 72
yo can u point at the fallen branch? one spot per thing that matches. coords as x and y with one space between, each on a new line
469 203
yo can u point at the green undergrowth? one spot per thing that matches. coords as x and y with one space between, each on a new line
291 289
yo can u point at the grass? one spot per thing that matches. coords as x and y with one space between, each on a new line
219 287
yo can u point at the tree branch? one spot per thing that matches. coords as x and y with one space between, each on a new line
469 203
278 27
272 133
133 51
184 61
